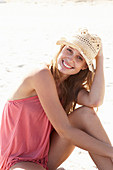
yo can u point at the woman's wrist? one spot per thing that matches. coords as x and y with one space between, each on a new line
100 61
100 57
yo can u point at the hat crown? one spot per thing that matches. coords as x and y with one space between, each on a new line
91 40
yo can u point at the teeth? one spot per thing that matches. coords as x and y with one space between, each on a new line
66 65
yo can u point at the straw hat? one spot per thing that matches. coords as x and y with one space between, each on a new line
87 44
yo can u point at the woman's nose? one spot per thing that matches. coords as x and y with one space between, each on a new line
71 61
71 58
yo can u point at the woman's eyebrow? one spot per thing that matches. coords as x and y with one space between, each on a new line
77 51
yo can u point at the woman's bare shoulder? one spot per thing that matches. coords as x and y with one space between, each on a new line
25 87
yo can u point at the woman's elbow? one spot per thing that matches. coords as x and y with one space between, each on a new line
64 133
96 103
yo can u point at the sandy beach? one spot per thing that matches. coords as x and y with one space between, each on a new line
28 33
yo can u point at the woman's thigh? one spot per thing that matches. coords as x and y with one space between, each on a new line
26 166
60 149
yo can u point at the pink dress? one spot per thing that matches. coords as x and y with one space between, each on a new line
24 133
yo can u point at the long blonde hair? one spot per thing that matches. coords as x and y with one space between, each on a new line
70 87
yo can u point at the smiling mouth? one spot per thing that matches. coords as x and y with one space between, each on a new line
66 65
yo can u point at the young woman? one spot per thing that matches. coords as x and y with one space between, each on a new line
44 105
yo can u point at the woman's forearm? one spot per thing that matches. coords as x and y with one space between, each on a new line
98 86
83 140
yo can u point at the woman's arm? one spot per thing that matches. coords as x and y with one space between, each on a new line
95 97
44 84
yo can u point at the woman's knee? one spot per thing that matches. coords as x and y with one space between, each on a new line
88 113
82 116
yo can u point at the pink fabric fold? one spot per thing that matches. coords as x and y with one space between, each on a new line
25 133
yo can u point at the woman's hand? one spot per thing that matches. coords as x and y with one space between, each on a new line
100 53
99 57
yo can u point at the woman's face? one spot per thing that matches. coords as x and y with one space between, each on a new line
70 61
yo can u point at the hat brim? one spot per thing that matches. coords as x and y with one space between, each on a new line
64 42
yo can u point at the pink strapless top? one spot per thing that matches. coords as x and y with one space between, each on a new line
24 134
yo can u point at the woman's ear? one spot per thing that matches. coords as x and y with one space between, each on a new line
85 66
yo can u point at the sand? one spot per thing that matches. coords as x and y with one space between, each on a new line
28 32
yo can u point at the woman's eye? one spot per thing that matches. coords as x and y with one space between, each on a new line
80 58
68 49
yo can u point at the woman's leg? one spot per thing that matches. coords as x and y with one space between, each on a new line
26 166
83 118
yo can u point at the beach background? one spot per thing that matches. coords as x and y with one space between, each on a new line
28 33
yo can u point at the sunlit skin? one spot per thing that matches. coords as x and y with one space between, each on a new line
70 61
